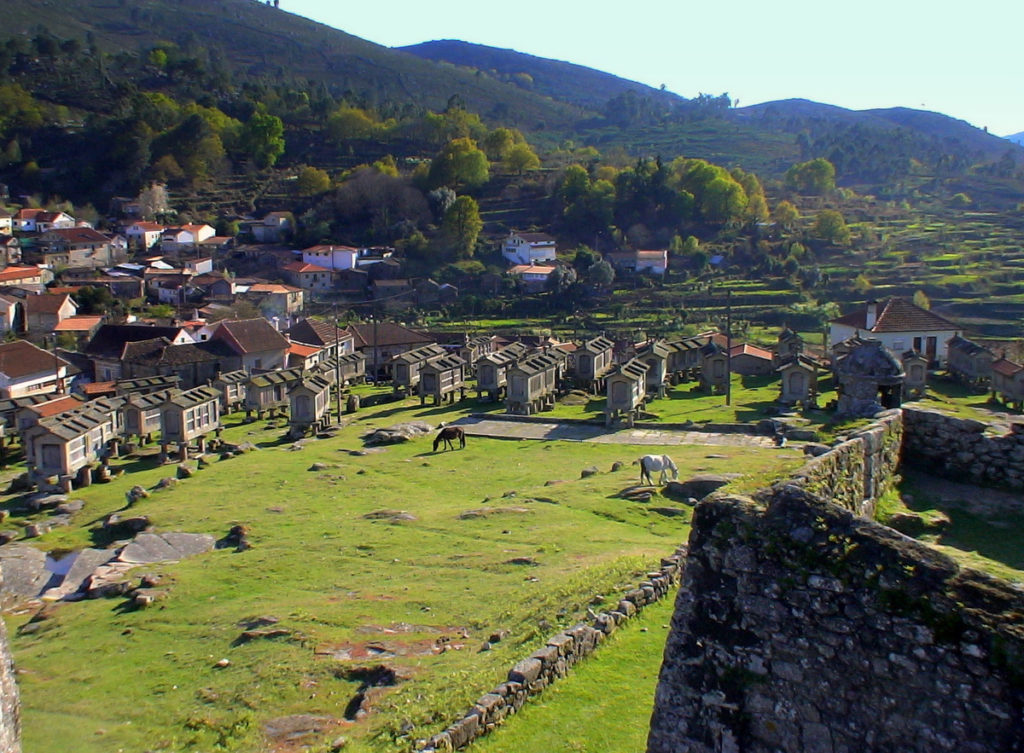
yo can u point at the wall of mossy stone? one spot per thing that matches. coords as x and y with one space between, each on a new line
803 626
856 472
964 450
10 707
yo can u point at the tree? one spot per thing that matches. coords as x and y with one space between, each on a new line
786 214
521 158
347 123
601 274
560 280
153 201
312 181
830 226
817 177
460 164
262 137
462 225
921 300
499 142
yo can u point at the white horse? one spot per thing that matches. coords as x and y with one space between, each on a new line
656 463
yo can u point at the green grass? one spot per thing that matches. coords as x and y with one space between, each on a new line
98 677
603 706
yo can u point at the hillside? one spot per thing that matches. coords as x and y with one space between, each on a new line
567 82
256 41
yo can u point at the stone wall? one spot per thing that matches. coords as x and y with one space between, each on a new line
10 708
801 627
856 472
959 449
552 662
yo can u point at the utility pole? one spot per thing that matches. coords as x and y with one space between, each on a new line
728 347
337 366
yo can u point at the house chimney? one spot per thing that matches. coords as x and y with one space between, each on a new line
872 317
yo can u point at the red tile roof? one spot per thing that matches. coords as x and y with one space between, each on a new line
1006 368
55 406
251 335
303 350
298 267
81 323
21 358
77 235
19 273
749 350
897 315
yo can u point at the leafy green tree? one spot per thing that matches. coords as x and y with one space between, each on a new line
961 200
521 158
560 280
722 200
94 300
817 177
498 143
312 181
262 137
786 214
348 123
831 226
600 273
921 300
462 225
460 164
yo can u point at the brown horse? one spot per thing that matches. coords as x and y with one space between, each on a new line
447 435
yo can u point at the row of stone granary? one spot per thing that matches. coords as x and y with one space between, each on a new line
976 365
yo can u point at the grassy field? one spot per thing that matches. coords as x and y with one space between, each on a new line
484 545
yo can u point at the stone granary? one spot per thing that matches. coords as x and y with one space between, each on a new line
491 370
405 367
143 385
269 392
1008 382
232 386
788 346
655 355
533 383
799 381
594 359
714 368
969 362
309 401
441 378
868 379
626 392
189 415
684 357
66 445
915 367
141 413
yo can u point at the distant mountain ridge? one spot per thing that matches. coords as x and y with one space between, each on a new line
568 82
1016 138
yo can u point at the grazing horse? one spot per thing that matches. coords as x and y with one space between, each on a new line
447 435
663 463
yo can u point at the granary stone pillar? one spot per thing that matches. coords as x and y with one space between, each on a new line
202 445
84 476
183 451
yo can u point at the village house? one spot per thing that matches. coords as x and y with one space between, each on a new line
12 314
256 345
44 312
334 340
6 222
76 247
393 294
381 341
749 360
80 326
25 277
528 248
185 237
632 261
26 369
531 278
107 346
275 227
40 220
310 277
10 250
304 356
275 299
193 364
900 326
331 257
143 235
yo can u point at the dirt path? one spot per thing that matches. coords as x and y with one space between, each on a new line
483 427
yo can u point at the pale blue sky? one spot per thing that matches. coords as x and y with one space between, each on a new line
961 59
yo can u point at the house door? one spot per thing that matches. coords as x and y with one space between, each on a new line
931 349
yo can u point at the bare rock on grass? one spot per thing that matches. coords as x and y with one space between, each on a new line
670 512
698 486
486 512
319 467
591 471
403 432
523 561
392 516
297 726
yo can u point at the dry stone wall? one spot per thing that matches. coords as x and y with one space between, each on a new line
960 449
10 708
856 472
552 662
805 627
